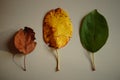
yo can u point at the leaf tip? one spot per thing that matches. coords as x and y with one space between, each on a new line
95 11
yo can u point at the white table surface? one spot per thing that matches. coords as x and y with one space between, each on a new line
41 63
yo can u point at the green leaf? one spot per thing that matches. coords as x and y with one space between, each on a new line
93 31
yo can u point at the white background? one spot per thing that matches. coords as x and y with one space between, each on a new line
41 63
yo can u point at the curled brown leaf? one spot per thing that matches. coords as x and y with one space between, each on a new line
24 40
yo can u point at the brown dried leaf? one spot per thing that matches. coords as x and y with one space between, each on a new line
24 40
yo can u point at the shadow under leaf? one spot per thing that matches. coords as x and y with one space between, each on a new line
14 51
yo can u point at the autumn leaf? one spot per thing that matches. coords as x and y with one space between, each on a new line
57 30
24 41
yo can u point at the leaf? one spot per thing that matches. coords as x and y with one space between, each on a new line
93 31
24 42
57 30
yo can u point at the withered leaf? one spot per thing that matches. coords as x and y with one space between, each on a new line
24 40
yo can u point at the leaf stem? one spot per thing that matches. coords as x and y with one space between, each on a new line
92 62
24 68
58 61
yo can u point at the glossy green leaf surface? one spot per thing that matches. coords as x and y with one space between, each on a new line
93 31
